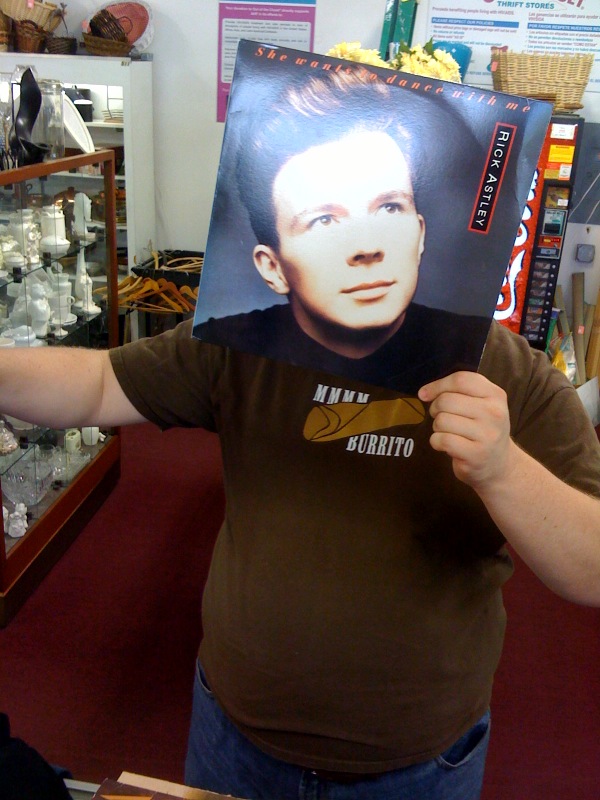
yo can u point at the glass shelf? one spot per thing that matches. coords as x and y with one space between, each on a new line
58 279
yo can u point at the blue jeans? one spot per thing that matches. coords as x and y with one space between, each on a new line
221 759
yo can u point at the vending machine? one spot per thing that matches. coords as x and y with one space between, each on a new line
526 301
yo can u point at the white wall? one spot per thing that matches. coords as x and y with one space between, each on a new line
188 139
579 234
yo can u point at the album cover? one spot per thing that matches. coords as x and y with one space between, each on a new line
363 218
145 788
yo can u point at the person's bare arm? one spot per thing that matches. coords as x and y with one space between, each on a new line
554 527
63 387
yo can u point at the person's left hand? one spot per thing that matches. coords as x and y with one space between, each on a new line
471 424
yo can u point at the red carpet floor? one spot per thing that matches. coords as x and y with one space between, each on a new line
545 743
96 669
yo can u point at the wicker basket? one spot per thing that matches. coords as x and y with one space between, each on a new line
61 45
43 14
136 19
5 32
104 25
97 46
29 37
543 75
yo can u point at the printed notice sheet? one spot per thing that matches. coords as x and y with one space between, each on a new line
282 22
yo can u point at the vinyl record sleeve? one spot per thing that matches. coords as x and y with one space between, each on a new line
363 218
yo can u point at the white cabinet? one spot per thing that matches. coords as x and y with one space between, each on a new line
115 83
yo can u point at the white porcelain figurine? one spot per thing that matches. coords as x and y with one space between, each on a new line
81 277
39 310
17 521
82 210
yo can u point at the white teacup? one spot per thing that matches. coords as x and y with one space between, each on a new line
90 435
60 305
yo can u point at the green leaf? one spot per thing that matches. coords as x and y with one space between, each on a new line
428 47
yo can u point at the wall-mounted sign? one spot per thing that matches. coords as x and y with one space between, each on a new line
281 22
546 26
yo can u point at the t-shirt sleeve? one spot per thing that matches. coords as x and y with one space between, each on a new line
170 378
548 419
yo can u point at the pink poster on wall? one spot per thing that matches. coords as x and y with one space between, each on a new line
285 23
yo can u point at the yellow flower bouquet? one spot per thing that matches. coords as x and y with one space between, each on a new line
417 59
427 60
352 51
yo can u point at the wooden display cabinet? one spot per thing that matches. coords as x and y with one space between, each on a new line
60 480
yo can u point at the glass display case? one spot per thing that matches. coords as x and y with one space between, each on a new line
58 285
121 118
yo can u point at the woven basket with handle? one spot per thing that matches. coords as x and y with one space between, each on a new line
104 25
558 75
61 44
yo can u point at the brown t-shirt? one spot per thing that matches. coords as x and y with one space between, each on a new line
353 615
